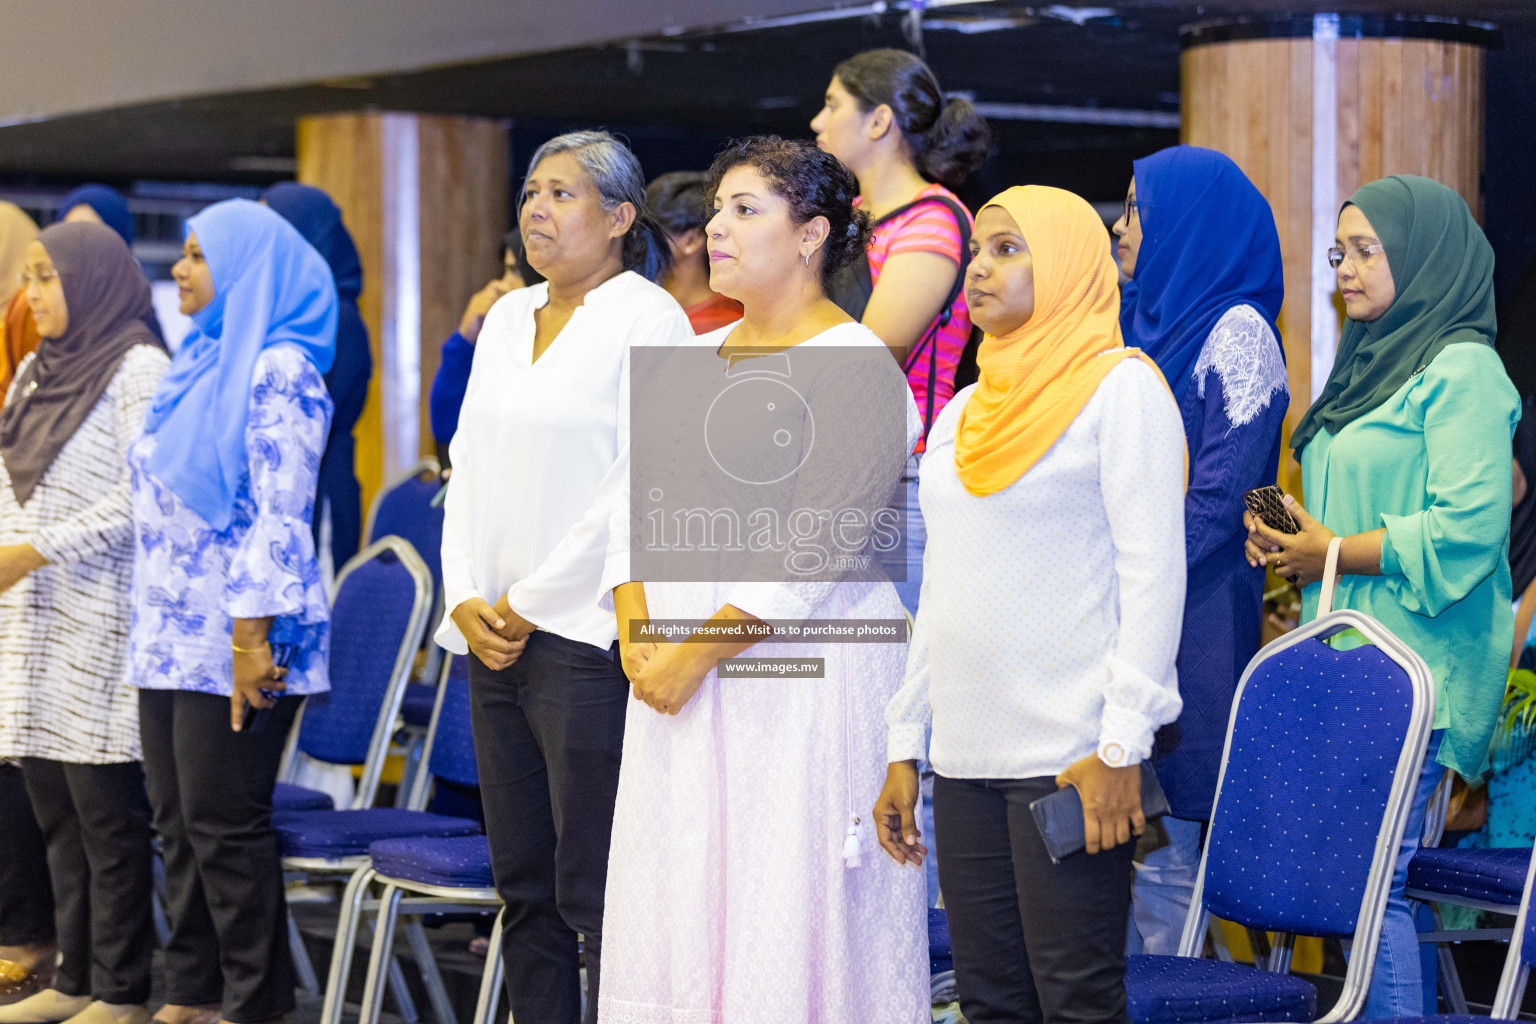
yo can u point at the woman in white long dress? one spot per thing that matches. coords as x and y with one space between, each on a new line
736 887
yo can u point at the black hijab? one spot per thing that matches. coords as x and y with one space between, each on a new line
109 312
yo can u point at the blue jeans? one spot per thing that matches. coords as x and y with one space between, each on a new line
1397 987
917 535
925 826
1163 886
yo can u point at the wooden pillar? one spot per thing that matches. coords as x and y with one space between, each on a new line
1313 107
425 198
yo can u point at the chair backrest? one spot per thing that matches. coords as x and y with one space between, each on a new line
1521 958
1323 754
382 605
403 508
450 745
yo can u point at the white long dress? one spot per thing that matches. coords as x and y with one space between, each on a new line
729 899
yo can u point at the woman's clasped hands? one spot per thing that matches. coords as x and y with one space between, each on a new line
496 635
664 675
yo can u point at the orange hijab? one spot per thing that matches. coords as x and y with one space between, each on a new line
1035 380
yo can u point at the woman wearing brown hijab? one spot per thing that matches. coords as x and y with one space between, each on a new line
66 557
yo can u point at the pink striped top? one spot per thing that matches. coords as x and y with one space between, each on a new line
928 228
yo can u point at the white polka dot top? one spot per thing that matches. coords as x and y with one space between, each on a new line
1050 611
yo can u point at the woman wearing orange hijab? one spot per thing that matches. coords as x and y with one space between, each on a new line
1049 618
18 334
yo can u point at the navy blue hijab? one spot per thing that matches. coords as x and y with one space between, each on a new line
318 219
1208 243
109 205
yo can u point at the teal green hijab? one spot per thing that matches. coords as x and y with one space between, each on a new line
1442 266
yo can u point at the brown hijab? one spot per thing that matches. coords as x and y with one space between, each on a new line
109 310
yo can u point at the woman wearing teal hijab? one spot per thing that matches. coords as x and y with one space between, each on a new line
225 590
1406 455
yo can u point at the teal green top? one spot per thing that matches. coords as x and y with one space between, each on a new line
1432 464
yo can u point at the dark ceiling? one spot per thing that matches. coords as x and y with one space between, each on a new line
679 98
676 98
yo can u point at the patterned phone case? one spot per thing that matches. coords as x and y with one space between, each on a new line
1266 503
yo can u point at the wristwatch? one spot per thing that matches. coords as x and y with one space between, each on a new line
1112 754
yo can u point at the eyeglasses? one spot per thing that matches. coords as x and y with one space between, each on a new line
26 279
1133 204
1357 256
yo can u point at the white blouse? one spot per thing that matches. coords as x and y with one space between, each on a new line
535 443
64 628
1050 611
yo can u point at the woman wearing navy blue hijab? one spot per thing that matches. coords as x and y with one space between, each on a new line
1199 245
229 607
107 204
319 220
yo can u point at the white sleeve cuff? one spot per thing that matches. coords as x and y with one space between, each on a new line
906 741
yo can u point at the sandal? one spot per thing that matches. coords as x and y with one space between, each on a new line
18 981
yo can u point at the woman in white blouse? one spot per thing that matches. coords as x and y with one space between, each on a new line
1053 592
66 558
523 545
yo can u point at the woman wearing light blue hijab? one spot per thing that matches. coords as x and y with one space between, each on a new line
225 587
1199 244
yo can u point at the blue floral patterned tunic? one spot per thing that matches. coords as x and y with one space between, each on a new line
190 581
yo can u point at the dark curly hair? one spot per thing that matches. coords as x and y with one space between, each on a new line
947 137
676 200
814 184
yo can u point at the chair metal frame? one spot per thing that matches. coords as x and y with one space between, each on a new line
1515 974
318 869
1389 838
428 899
1449 976
428 464
411 747
378 746
402 896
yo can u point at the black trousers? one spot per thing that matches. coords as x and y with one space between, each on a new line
1033 941
211 790
548 735
26 896
95 818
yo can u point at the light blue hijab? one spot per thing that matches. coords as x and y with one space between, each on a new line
270 288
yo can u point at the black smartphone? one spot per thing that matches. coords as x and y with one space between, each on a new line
256 720
1059 817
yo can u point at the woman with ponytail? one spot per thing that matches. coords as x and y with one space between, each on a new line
888 121
524 541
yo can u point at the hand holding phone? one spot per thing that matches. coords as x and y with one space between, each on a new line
255 719
1268 503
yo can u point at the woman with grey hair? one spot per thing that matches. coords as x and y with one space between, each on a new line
524 542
